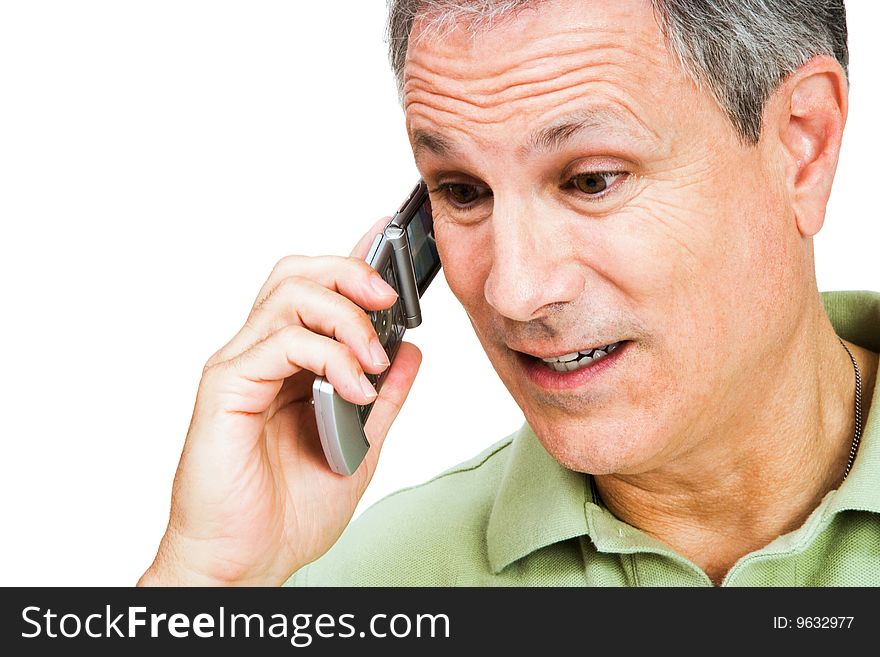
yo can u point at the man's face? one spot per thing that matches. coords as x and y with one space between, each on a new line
585 192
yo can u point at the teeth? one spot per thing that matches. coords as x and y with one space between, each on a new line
579 359
607 349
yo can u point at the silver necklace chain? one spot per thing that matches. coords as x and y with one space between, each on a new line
857 438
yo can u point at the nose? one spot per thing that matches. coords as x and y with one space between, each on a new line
533 267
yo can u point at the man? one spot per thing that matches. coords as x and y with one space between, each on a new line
624 201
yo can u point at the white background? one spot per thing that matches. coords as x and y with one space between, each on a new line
156 159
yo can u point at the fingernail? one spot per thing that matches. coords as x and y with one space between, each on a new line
380 358
381 287
367 387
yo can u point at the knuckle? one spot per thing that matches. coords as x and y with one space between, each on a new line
338 304
364 323
343 354
352 319
361 266
291 333
289 286
255 330
216 358
289 263
346 268
209 371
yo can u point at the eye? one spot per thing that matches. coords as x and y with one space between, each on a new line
461 193
462 196
594 183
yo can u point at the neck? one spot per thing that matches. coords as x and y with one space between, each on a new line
760 471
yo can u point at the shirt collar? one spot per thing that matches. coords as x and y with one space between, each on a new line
539 502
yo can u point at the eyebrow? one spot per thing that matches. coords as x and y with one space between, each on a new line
423 140
549 138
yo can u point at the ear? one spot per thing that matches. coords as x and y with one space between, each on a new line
811 111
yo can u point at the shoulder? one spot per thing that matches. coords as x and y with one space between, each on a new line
420 536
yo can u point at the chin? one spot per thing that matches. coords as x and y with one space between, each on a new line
596 446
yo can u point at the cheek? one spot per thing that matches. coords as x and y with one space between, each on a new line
669 256
662 258
466 258
702 267
695 256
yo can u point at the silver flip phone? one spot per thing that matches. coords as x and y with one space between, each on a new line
406 257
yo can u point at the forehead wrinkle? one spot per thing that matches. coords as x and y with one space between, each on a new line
531 78
462 100
451 85
464 58
564 90
615 115
545 139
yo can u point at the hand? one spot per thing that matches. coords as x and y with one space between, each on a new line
253 498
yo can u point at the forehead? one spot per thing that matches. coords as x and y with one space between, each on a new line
553 59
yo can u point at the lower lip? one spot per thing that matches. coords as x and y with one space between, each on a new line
542 376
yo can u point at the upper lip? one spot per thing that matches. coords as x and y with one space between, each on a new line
556 353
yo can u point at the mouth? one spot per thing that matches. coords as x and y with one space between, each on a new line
572 369
579 359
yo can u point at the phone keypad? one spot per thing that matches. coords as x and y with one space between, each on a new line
390 324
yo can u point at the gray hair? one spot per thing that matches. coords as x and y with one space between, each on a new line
741 50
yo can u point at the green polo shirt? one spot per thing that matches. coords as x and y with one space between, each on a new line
513 515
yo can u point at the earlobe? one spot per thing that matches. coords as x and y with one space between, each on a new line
813 113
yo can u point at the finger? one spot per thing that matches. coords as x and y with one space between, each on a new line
249 382
295 265
352 277
393 394
349 277
362 248
301 302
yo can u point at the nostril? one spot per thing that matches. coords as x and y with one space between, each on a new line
514 297
523 289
